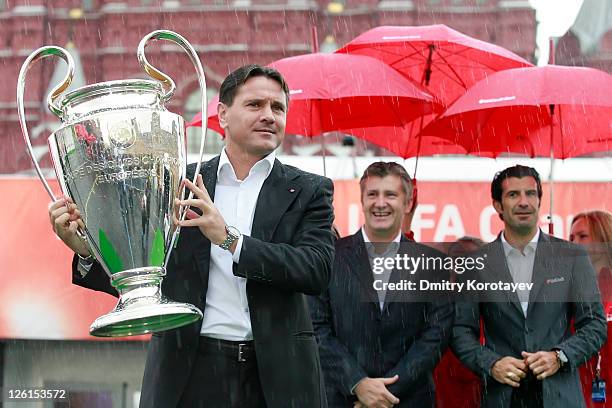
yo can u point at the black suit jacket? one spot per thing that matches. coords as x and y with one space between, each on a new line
561 270
288 254
357 339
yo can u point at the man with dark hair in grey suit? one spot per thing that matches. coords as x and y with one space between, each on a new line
530 356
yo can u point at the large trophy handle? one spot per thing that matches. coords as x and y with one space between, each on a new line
41 53
169 88
168 83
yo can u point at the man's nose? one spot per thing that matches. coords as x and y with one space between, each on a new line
267 115
524 201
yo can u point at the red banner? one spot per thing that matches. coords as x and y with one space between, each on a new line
38 300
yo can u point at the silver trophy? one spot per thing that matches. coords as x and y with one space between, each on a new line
121 156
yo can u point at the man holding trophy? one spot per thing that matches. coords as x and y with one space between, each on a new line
257 237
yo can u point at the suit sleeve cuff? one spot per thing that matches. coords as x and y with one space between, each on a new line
565 366
355 386
490 362
236 254
84 265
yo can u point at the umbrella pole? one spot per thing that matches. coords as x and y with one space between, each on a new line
551 60
315 49
424 81
418 153
323 151
551 182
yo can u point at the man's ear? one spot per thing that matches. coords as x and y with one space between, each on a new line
409 205
222 114
499 208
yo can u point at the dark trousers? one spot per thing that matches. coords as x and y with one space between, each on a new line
224 376
529 394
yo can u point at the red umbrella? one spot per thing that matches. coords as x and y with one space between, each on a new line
510 111
330 92
551 111
446 61
213 120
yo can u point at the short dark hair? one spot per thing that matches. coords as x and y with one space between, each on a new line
382 169
238 77
517 171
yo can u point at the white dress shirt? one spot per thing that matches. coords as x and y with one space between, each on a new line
389 252
226 314
520 264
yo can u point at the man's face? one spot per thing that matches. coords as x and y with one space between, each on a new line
255 122
384 205
520 204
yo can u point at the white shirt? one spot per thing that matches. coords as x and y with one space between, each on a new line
226 314
520 264
390 252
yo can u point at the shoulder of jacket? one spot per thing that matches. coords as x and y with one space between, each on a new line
348 243
307 177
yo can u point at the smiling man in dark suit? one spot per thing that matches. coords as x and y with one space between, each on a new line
257 238
530 356
377 348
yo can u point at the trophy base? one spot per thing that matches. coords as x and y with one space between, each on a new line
142 309
145 319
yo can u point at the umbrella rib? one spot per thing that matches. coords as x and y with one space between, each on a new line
395 112
452 69
465 50
404 57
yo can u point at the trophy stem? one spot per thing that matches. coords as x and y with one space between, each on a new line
142 308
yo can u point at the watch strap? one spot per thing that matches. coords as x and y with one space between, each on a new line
229 240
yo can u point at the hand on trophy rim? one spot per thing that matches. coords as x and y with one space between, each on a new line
211 223
65 220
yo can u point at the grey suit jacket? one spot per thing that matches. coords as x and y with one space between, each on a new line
357 339
561 271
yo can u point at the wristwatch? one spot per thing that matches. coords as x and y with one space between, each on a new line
84 264
232 235
561 357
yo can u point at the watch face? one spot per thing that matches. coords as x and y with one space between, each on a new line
233 231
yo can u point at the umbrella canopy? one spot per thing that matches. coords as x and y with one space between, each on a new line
510 111
446 61
213 120
330 92
403 141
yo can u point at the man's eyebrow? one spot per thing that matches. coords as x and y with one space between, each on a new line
527 190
